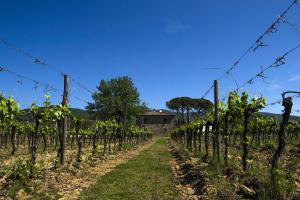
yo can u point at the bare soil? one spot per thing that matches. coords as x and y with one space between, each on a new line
68 183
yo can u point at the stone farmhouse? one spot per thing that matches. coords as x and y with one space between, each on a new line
159 121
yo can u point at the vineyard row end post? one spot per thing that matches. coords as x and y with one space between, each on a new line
64 121
216 120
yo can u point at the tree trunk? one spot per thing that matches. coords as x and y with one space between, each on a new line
226 139
104 141
45 142
18 139
29 136
123 130
34 141
79 144
182 115
195 140
94 144
72 141
79 141
188 115
245 139
13 133
109 143
206 137
200 140
287 103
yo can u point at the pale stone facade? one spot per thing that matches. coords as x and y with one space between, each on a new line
159 122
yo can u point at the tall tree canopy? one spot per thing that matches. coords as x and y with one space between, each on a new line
116 98
202 106
187 105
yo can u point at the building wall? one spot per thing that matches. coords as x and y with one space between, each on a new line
160 124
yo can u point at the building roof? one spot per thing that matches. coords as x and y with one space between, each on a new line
157 113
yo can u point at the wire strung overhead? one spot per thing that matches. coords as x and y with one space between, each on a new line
292 25
221 69
42 62
281 60
277 63
280 100
259 42
47 87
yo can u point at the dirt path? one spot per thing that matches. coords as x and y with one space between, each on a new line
146 177
68 183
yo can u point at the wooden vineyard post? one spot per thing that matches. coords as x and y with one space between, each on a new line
287 103
63 123
216 122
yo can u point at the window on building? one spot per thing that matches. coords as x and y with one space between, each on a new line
165 120
145 120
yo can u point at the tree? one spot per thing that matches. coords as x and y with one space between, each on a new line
116 98
186 105
202 106
175 105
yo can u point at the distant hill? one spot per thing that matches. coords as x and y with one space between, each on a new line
278 116
267 114
81 113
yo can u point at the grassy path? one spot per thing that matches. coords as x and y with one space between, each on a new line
147 176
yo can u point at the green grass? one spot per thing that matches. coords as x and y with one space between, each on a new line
148 176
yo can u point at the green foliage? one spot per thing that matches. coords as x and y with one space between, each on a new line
186 105
34 109
8 110
136 131
21 174
209 117
40 126
239 104
25 114
196 124
22 171
116 98
47 112
269 145
282 185
107 125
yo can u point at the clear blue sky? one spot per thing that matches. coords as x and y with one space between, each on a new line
161 44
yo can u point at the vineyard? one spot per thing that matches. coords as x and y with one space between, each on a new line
95 137
239 154
242 154
31 148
